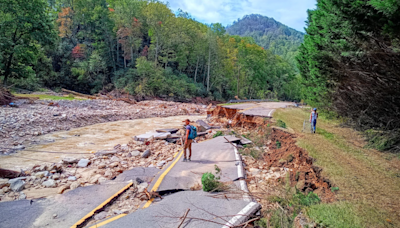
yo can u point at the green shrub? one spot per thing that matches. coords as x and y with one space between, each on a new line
263 222
306 200
334 189
280 219
383 140
278 144
219 133
296 202
281 124
210 182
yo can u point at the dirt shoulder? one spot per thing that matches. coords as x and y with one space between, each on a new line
20 126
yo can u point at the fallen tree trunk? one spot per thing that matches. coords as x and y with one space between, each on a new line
26 98
79 94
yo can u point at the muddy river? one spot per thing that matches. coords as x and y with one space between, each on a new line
87 140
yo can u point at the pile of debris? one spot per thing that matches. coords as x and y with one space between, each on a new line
18 126
5 96
283 161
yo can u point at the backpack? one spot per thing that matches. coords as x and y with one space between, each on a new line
193 132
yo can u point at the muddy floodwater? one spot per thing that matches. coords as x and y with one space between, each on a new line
87 140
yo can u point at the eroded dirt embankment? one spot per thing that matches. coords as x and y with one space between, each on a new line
279 156
236 118
303 174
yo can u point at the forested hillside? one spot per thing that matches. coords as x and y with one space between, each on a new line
350 64
136 46
270 34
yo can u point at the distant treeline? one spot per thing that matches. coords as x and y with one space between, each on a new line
135 46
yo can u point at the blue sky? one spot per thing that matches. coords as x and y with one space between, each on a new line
289 12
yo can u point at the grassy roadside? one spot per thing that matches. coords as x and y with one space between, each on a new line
47 97
369 181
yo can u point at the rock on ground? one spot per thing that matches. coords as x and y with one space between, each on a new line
83 163
17 185
49 183
146 154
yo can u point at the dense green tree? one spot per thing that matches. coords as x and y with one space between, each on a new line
349 62
25 27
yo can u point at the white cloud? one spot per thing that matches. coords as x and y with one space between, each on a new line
290 12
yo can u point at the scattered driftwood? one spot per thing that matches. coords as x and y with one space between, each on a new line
5 173
107 97
184 217
124 99
79 94
27 98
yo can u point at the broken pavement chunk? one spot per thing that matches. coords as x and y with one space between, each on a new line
171 130
149 135
245 141
203 125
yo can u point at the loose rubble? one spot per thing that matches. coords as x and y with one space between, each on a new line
19 126
98 168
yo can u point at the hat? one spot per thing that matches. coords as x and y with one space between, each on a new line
186 120
315 109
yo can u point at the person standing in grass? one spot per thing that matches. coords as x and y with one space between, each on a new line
313 120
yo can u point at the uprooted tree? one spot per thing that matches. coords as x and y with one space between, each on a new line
5 96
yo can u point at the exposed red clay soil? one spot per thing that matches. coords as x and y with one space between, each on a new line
237 119
303 174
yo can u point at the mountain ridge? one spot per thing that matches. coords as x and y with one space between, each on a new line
270 34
